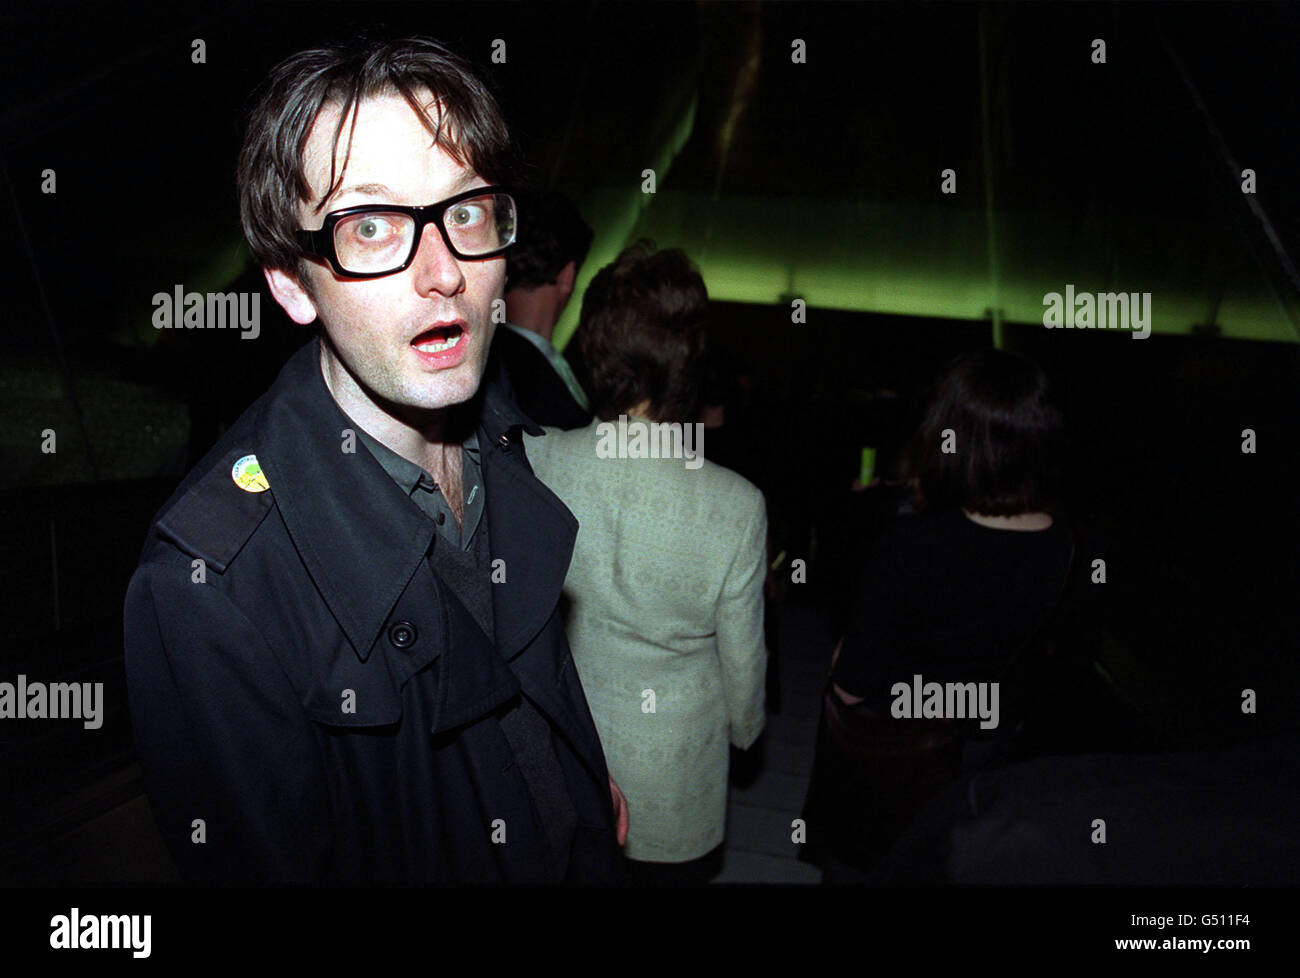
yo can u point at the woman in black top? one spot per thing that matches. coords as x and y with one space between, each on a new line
953 598
955 592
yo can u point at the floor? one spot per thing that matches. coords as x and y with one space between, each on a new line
759 846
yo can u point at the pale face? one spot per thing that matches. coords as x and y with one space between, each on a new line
388 338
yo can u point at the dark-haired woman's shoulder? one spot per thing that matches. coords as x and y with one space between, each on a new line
945 547
909 527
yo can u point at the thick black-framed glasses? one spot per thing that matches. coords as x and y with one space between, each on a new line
379 239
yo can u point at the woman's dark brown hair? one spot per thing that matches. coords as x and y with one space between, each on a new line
997 413
642 335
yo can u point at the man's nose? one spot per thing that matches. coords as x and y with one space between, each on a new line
436 268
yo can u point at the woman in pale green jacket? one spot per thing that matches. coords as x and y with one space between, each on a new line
665 588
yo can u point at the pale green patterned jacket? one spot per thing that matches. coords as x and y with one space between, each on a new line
665 620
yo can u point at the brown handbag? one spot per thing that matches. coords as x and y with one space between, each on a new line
872 773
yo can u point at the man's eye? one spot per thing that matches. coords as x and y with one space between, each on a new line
464 215
372 229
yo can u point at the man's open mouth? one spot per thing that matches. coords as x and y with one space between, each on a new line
439 339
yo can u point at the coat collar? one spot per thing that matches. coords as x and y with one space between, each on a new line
362 540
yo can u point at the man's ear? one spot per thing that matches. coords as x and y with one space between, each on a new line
564 281
291 296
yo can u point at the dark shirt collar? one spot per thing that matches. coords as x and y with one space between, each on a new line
404 472
420 486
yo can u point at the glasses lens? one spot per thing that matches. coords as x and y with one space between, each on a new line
373 242
481 225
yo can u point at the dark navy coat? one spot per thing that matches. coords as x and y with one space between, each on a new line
312 703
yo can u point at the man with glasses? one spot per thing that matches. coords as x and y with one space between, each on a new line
344 654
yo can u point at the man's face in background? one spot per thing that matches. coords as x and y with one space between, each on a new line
418 338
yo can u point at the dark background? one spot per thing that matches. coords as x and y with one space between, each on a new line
1079 167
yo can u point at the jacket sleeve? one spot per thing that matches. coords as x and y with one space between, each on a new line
741 646
234 775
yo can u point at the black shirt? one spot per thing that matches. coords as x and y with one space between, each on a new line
953 601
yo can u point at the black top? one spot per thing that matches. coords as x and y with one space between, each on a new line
953 601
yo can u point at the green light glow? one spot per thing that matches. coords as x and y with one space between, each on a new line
927 261
615 215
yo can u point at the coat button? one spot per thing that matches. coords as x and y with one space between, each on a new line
402 634
505 442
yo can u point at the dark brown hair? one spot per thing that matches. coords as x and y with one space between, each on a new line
641 335
1008 434
469 128
551 235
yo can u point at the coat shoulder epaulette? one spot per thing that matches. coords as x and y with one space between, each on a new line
216 516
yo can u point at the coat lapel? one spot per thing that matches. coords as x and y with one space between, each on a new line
533 532
360 538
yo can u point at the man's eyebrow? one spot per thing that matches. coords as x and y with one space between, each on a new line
383 190
373 189
468 177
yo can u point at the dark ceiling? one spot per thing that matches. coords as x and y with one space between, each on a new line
817 179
